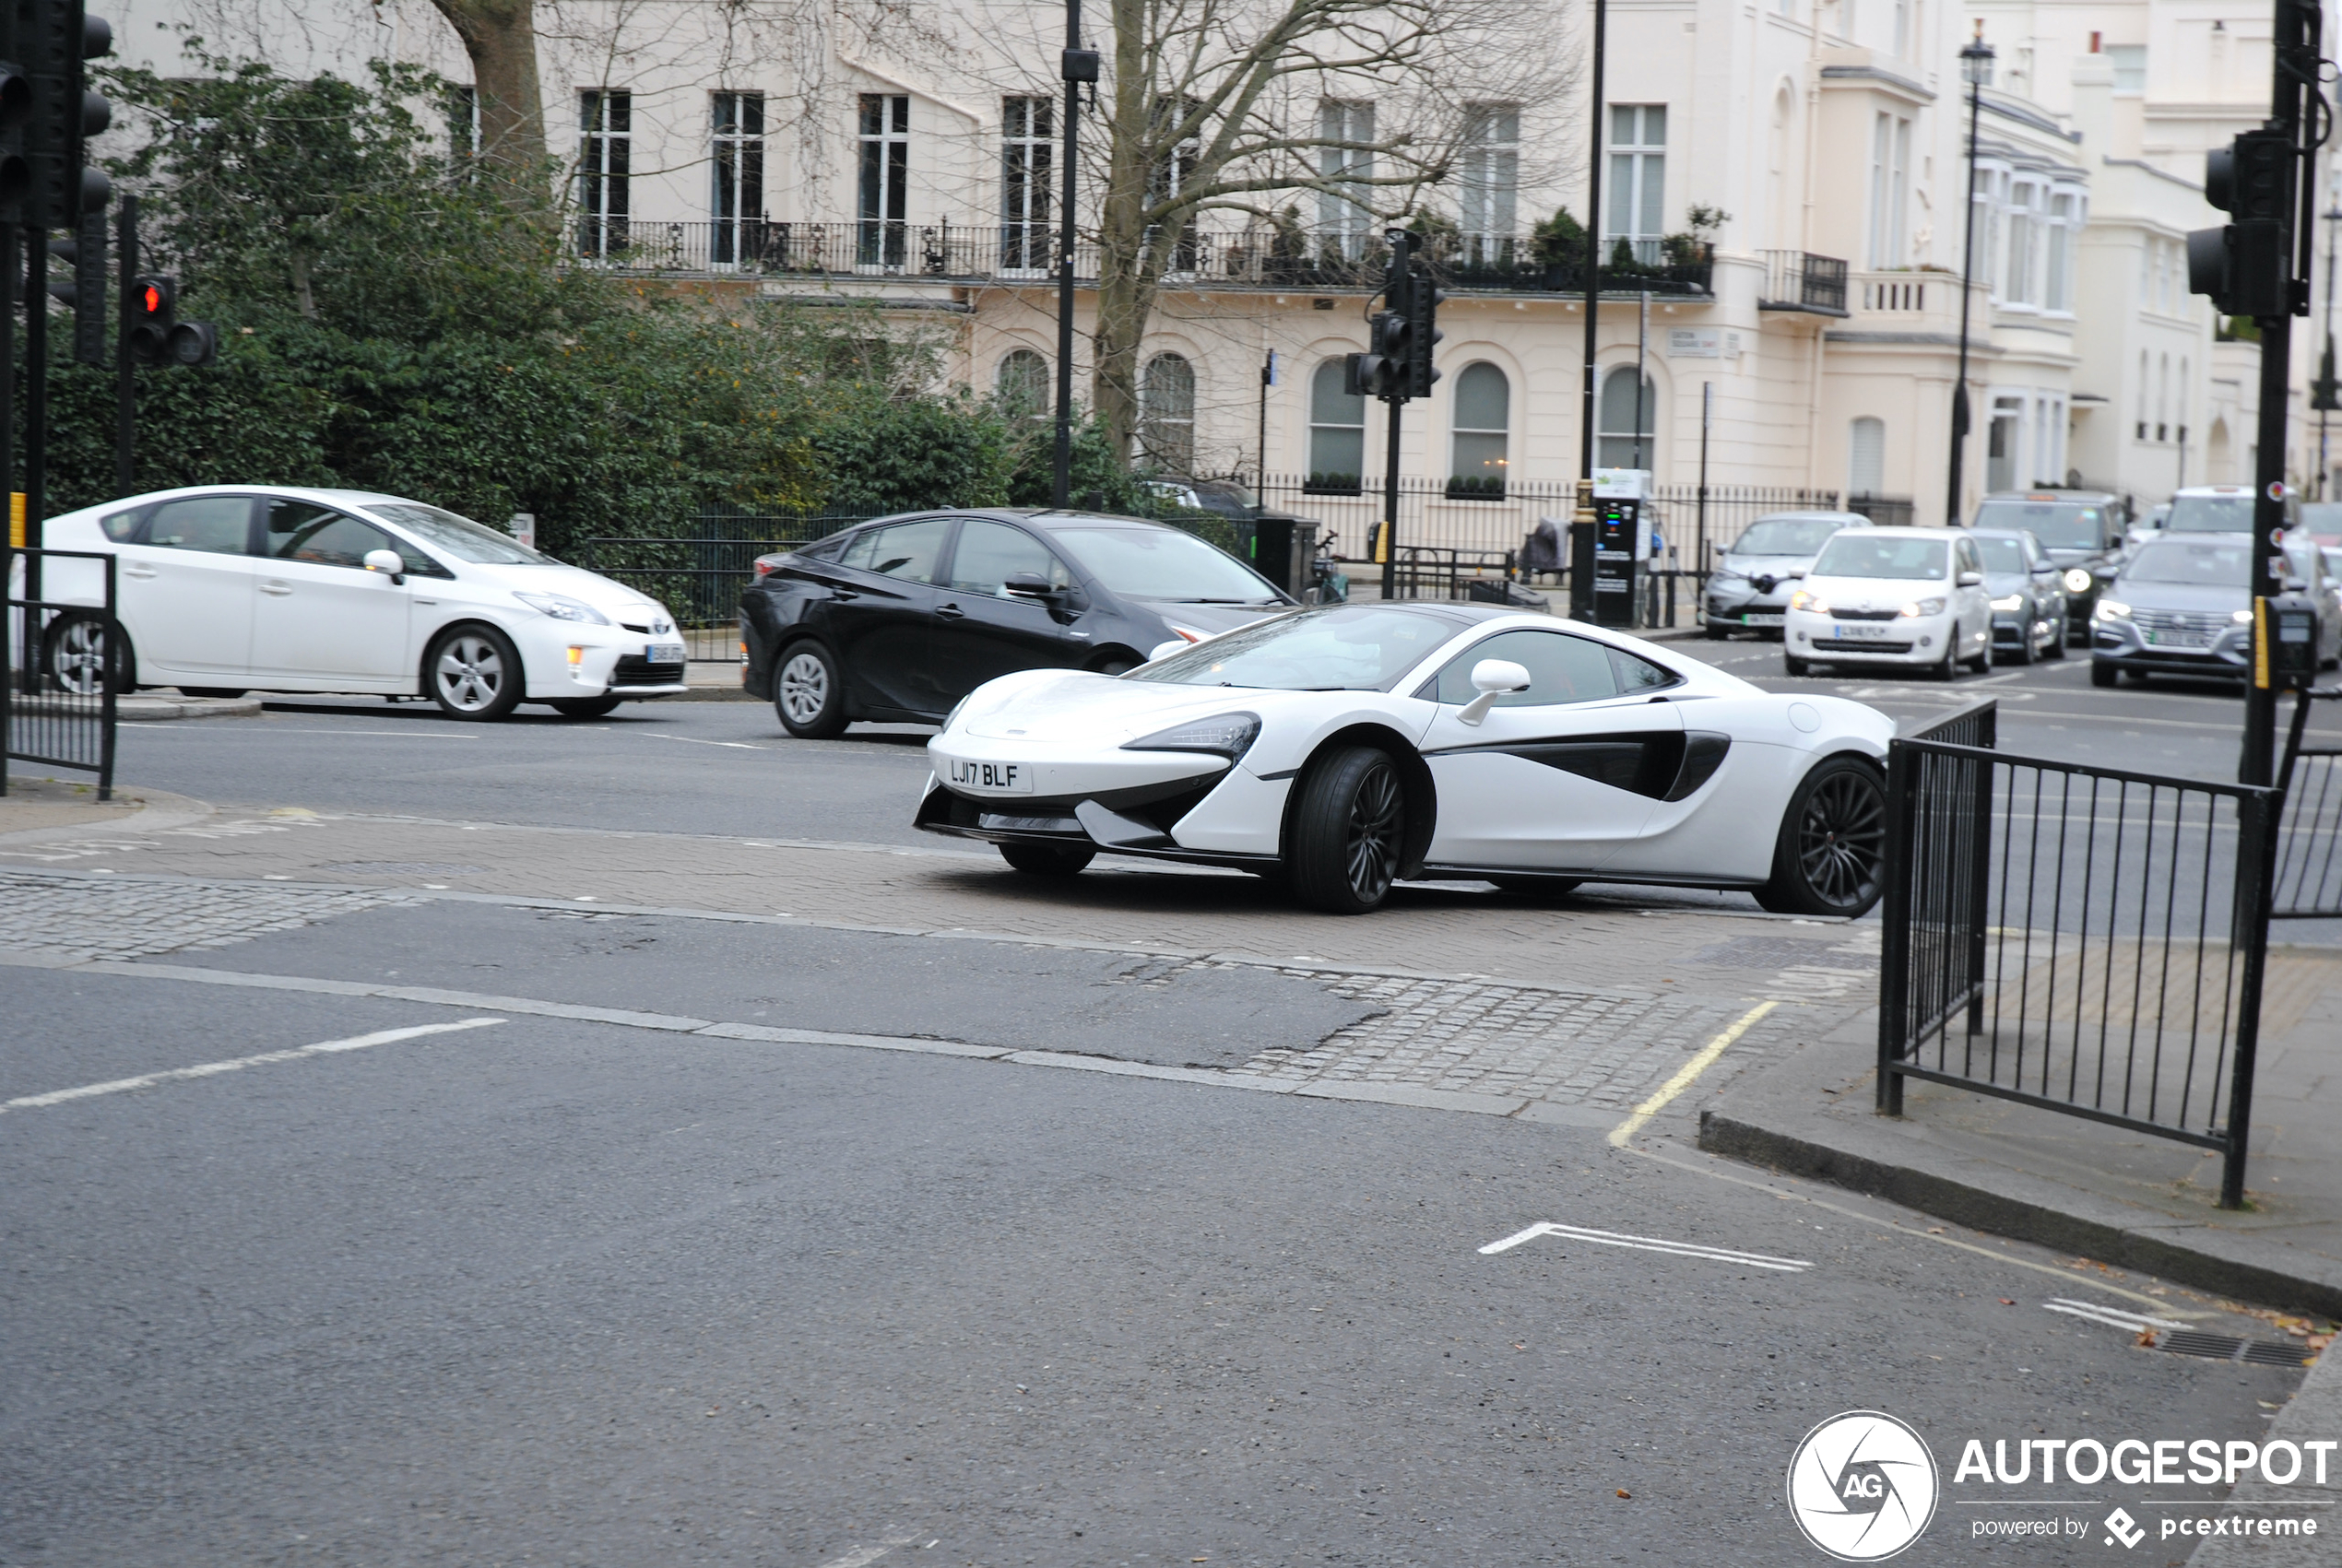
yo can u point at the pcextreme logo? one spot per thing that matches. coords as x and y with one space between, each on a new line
1862 1486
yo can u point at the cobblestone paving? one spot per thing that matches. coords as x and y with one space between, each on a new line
69 920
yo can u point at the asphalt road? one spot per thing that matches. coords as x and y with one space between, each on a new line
561 1291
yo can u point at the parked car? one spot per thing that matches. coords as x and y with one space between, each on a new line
2183 605
2028 593
2083 532
1342 747
1887 596
1751 584
224 589
2223 509
2150 523
901 618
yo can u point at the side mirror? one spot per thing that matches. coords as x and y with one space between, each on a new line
1492 678
388 564
1971 579
1027 585
1164 650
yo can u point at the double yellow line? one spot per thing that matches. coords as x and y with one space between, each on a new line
1686 1074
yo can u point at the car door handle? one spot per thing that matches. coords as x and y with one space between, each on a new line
279 589
141 571
950 612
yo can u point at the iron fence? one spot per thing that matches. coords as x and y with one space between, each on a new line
1262 256
2087 940
65 664
699 576
2307 884
1797 281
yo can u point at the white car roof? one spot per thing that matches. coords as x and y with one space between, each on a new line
1695 673
296 493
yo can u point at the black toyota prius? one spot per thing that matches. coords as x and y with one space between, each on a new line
898 618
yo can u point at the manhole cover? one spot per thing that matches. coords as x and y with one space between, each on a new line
1783 952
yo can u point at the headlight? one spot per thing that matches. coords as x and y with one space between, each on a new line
561 608
2113 610
1805 601
953 716
2077 581
2242 617
1925 607
2011 605
1223 735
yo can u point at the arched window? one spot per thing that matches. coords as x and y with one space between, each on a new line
1627 421
1482 428
1166 414
1866 457
1022 384
1337 431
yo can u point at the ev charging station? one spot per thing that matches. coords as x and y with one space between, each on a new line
1622 544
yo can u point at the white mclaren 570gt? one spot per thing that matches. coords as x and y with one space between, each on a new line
1338 749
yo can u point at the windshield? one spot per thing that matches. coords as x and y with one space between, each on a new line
2001 555
459 537
2211 515
1785 536
1162 563
1859 555
1341 648
2059 525
2169 561
2321 516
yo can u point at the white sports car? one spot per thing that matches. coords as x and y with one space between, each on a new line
1342 748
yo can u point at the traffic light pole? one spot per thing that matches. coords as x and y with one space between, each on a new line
126 383
1390 502
36 397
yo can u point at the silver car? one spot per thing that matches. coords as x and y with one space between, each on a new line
1750 587
2028 594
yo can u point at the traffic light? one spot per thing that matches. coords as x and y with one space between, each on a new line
1423 298
2246 267
85 294
53 41
156 335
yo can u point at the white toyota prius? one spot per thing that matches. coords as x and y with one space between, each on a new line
225 589
1342 748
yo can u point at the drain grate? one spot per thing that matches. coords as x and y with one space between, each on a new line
2221 1348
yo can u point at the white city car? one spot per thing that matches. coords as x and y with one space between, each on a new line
1908 597
1345 747
231 588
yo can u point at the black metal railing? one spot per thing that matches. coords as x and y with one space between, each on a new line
1260 256
700 576
1795 281
66 662
1886 511
2307 882
2088 940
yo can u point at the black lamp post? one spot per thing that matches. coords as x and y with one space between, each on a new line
1976 68
1077 65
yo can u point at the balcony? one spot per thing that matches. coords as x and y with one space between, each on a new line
1795 281
1294 259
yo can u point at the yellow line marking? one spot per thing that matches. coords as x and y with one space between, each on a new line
1685 1074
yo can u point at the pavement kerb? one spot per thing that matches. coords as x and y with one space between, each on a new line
159 810
2313 1414
160 709
1767 1119
1399 1094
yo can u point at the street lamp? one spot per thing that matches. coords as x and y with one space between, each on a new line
1976 69
1076 67
2326 395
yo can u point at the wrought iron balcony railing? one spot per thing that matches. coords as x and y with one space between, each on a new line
1795 281
1258 257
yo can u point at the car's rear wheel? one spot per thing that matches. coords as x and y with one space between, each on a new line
586 707
81 654
1349 827
809 692
475 673
1833 847
1046 859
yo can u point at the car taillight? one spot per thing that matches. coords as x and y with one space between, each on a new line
764 565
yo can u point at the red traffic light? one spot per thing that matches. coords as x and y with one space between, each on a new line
155 299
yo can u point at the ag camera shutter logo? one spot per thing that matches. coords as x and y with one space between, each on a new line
1862 1486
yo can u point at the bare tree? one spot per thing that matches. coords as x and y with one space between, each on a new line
1231 105
501 38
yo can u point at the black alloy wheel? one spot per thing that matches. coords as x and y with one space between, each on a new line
1832 850
1349 829
1048 859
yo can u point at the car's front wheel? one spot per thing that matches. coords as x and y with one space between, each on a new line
809 692
1046 859
1795 666
1832 848
1349 827
2102 673
79 655
475 673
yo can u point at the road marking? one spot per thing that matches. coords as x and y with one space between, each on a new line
1648 1243
695 740
863 1556
210 1069
1685 1074
2114 1318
